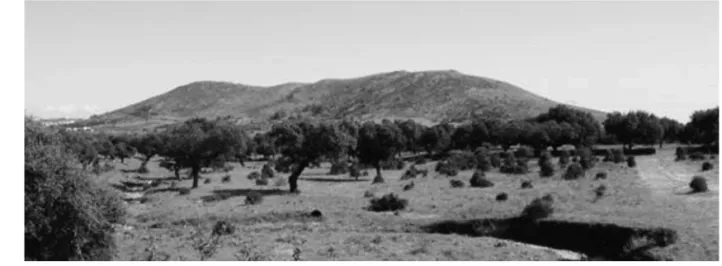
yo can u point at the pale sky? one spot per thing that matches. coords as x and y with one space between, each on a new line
86 58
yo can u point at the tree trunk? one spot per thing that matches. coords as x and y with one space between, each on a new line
176 170
145 162
240 160
195 170
293 178
378 168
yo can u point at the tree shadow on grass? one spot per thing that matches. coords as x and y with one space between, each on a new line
336 180
224 194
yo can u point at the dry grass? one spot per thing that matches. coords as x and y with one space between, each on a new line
279 227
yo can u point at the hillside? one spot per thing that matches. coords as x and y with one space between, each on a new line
430 96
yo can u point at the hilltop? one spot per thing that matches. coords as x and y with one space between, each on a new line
428 96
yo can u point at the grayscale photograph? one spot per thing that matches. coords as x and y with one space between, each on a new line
371 131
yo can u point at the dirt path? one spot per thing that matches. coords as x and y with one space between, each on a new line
667 178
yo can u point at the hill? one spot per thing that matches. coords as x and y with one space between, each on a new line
428 96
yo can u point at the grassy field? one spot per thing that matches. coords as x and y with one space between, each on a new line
170 226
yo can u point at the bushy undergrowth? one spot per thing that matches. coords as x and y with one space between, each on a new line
267 172
512 165
524 152
631 162
600 175
563 158
478 179
698 184
456 183
539 208
526 184
586 158
226 179
262 182
494 160
483 161
574 171
546 167
697 156
255 175
410 173
706 166
378 180
339 168
254 197
68 216
680 154
447 168
388 202
502 196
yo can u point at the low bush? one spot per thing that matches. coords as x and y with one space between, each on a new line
369 194
546 167
698 184
524 152
280 182
513 165
283 165
502 197
262 182
456 183
494 160
574 171
207 181
254 197
483 162
617 156
539 208
223 228
378 180
254 175
184 191
563 158
339 168
680 154
389 202
631 162
462 160
526 184
478 179
586 158
706 166
409 186
226 179
600 175
267 172
697 156
421 160
599 192
446 168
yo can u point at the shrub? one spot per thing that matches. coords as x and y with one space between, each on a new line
680 154
608 155
255 175
207 181
698 184
369 194
563 158
446 168
707 166
546 168
600 175
478 179
410 173
574 171
283 165
223 228
261 182
421 160
226 179
526 185
539 208
462 160
494 160
68 216
514 166
339 168
424 172
254 197
378 180
389 202
365 173
696 156
184 191
267 172
409 186
631 162
586 158
599 192
483 162
354 171
617 156
502 197
227 168
316 213
524 152
456 183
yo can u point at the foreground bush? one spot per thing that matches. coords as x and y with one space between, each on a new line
67 215
456 183
706 166
478 179
389 202
698 184
574 171
539 208
586 158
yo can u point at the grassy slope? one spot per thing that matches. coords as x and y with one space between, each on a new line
270 230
